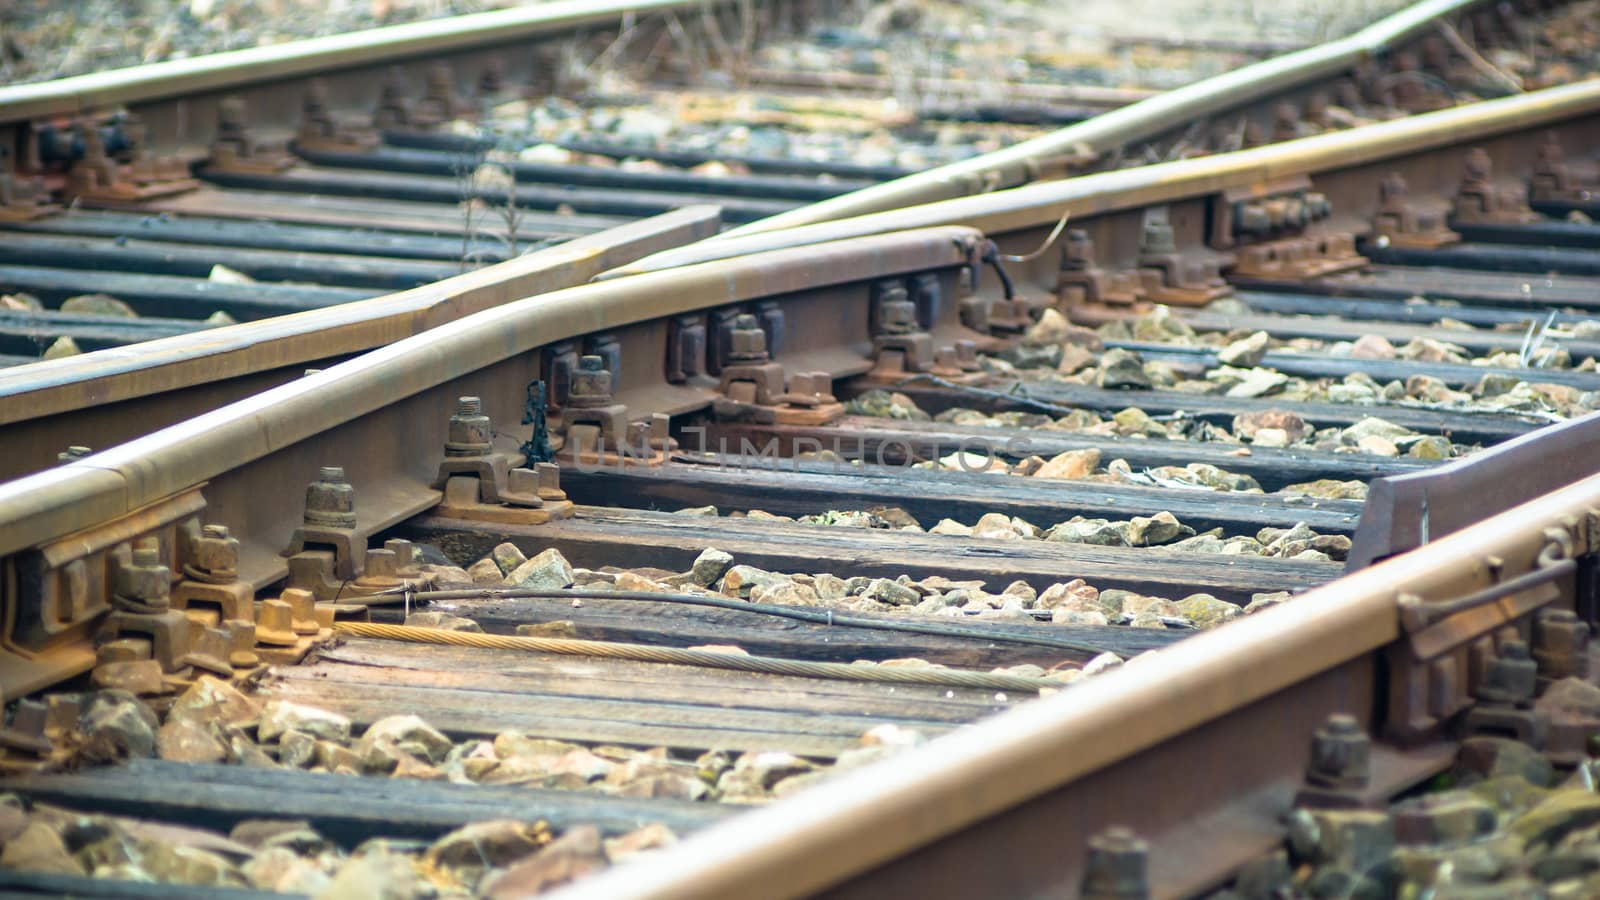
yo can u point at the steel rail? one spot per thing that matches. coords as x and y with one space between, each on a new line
1011 803
1118 128
54 403
122 479
384 415
1011 216
1043 204
365 49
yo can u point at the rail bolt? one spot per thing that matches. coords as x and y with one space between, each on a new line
471 432
749 342
232 116
275 624
211 652
1077 251
1513 677
303 604
1341 754
1250 218
1560 644
27 729
145 580
331 500
214 556
896 313
241 643
591 384
1476 167
1157 238
1117 867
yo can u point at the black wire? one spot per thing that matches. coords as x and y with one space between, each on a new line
991 255
818 617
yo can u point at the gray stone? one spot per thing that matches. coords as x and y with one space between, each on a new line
1329 489
1249 425
296 749
99 305
1122 369
755 773
410 734
1571 696
1052 328
1068 616
214 700
281 716
61 348
442 621
1444 817
1562 813
1258 383
1430 447
283 871
1246 352
1032 356
448 577
116 725
1161 528
1206 611
547 571
892 593
829 587
188 740
39 848
702 512
1099 532
709 566
507 557
654 836
1488 757
484 845
378 872
243 752
571 856
179 864
1357 839
486 573
786 593
1372 426
740 580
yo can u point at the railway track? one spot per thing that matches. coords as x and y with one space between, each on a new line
741 520
191 196
276 181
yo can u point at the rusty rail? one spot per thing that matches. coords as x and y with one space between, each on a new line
390 412
1122 127
59 402
1021 215
1198 747
376 47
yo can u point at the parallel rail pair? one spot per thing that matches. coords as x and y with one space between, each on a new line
1014 801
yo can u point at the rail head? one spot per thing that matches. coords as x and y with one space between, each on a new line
373 47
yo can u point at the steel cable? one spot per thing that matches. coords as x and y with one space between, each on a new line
703 658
